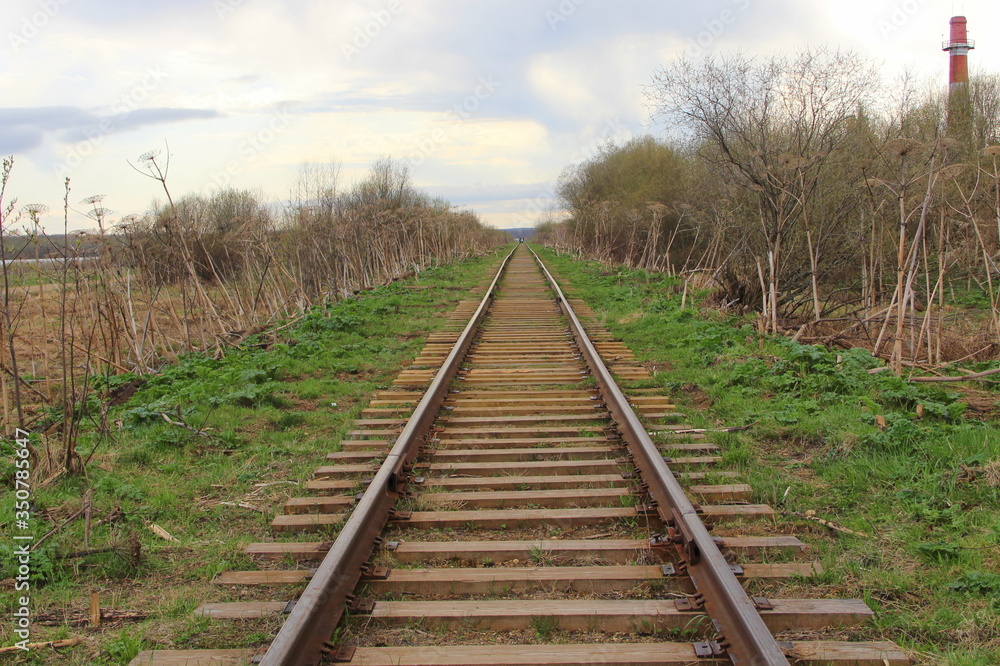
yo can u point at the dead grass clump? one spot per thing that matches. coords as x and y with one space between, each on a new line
991 473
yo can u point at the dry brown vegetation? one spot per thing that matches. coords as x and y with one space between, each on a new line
196 274
839 209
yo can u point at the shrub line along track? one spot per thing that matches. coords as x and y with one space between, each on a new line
512 418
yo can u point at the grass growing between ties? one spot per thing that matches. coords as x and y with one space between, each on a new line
905 465
206 452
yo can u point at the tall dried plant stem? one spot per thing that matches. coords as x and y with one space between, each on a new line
9 318
66 344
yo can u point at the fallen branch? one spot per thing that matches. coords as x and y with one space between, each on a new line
68 642
87 553
965 378
861 322
181 424
811 515
93 354
699 431
59 527
243 505
83 618
163 534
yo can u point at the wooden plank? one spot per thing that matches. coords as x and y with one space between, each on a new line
756 545
341 471
305 522
331 485
521 394
534 378
360 434
356 456
241 610
570 371
449 456
193 657
543 498
535 418
380 445
385 411
512 442
848 654
714 513
543 468
693 460
673 416
454 433
618 654
633 616
536 482
669 447
701 476
586 580
516 400
286 577
379 423
511 518
325 504
781 571
297 550
497 412
602 579
724 493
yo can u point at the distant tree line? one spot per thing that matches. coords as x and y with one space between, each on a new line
805 189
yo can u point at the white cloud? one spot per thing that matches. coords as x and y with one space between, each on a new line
564 88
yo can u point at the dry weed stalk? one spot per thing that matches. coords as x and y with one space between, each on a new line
200 274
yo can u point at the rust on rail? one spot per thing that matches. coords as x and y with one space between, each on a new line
745 637
303 637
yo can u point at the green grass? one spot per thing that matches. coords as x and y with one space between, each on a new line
269 413
921 488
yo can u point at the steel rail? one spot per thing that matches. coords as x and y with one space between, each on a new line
303 637
745 637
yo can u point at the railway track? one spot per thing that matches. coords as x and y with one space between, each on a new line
506 502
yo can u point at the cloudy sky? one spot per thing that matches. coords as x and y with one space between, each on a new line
489 100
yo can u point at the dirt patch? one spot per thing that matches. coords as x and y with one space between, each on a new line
983 405
634 317
697 397
991 473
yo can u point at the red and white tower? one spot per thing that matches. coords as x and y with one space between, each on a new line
959 46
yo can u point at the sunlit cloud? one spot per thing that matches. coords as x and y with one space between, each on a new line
487 102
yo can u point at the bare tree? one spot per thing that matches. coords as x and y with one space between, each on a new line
770 125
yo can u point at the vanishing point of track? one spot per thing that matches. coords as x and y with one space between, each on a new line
515 506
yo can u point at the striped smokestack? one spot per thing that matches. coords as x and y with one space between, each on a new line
959 46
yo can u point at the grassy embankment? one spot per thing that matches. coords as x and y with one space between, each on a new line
268 414
830 437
